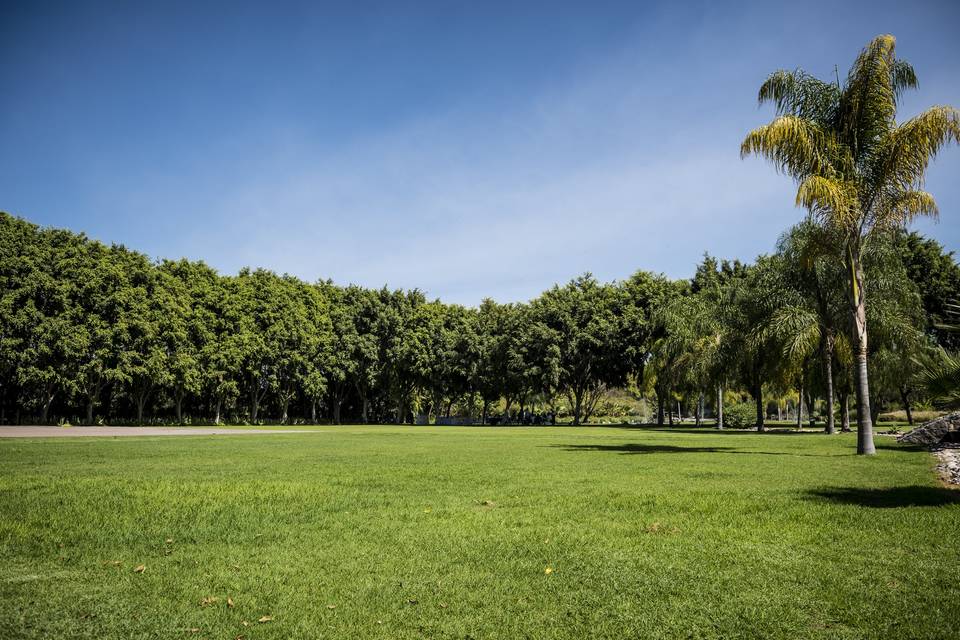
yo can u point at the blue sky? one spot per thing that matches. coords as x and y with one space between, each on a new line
470 149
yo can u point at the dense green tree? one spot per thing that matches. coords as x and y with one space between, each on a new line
588 333
936 274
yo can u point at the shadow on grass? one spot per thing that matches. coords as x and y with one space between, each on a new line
642 448
915 496
771 431
632 448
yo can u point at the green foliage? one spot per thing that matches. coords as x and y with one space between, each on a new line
740 415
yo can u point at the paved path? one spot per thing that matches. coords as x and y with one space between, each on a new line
73 432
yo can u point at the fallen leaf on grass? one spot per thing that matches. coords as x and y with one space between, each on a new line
265 619
140 568
331 606
208 601
548 570
443 605
169 540
112 563
193 630
245 623
230 602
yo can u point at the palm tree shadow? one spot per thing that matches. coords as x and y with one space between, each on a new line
893 497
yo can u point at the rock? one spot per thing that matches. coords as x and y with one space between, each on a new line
949 466
943 429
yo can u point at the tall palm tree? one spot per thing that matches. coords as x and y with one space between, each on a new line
858 170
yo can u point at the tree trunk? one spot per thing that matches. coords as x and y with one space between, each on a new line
761 425
905 397
577 406
178 406
254 405
800 408
284 409
719 406
811 406
366 410
845 412
858 326
313 412
828 377
91 401
47 402
141 401
483 415
659 410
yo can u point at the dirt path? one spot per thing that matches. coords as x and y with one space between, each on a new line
79 432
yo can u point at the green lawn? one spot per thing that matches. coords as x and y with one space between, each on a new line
424 532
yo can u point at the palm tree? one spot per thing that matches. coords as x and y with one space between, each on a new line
808 309
858 170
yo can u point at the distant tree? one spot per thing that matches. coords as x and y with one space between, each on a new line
581 314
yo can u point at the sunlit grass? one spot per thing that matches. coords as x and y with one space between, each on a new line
411 532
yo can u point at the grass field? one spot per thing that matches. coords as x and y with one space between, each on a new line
424 532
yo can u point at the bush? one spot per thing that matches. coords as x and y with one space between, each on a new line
740 415
901 416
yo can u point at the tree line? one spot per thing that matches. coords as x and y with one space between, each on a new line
92 333
103 327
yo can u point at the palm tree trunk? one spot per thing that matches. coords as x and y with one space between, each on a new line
845 412
758 396
828 377
719 406
858 322
800 408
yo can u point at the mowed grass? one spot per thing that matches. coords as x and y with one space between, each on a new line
423 532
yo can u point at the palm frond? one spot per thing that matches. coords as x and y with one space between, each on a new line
940 378
830 199
870 96
796 146
912 145
800 94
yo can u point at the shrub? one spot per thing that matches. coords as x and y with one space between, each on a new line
740 415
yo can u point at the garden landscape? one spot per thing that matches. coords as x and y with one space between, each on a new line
267 444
